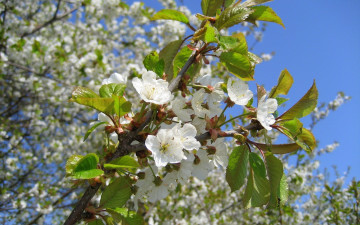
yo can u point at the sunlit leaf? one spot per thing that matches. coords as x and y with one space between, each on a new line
72 162
237 168
264 13
231 16
153 63
180 59
170 14
275 172
116 194
303 107
237 64
122 162
86 167
126 217
168 54
283 86
209 7
283 190
96 222
257 192
279 148
249 3
121 106
88 132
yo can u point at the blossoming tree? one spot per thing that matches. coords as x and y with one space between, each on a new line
162 113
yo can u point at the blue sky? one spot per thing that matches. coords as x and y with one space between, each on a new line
322 42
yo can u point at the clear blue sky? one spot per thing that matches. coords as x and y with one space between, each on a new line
322 42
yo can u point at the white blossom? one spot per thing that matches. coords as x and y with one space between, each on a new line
115 78
152 90
179 107
265 110
221 156
238 91
202 165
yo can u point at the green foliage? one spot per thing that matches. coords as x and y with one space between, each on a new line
210 7
108 90
96 222
170 14
153 63
72 162
122 162
283 86
168 54
126 217
181 59
264 13
86 167
237 168
88 132
275 172
109 102
116 194
279 148
304 106
257 192
238 64
231 16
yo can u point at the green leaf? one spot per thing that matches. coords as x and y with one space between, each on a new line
210 33
283 86
85 96
275 172
209 7
264 13
86 168
121 106
304 106
257 164
291 128
126 217
242 48
306 140
281 100
168 54
280 148
237 64
88 132
83 92
228 43
108 90
180 59
116 194
72 162
257 192
122 162
170 14
96 222
237 168
152 62
249 3
231 16
283 190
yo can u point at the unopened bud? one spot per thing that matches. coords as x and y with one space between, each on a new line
211 150
196 160
240 138
141 175
158 181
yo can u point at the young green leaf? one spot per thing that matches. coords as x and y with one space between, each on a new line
116 194
71 163
283 190
228 43
306 140
96 222
121 106
237 64
88 132
170 14
237 168
209 7
291 128
279 148
249 3
168 54
122 162
210 33
231 16
108 90
86 168
83 92
242 47
257 192
264 13
304 106
180 59
152 62
283 86
257 164
275 172
124 216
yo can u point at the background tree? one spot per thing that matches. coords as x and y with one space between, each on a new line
48 48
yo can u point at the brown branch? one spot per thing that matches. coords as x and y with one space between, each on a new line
51 21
